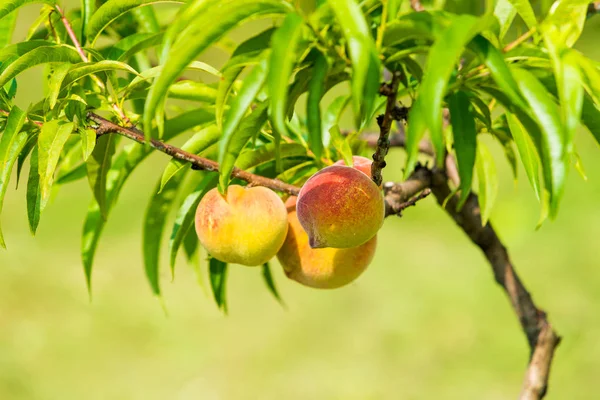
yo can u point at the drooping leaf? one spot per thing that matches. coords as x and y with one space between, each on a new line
31 142
37 56
34 197
206 29
154 223
88 7
193 91
230 151
12 141
8 6
7 27
316 89
527 152
252 158
488 180
88 141
81 70
283 57
77 172
52 138
554 154
113 9
232 129
132 44
122 167
365 63
465 140
195 145
184 220
332 116
270 282
565 21
57 73
505 12
525 10
218 281
428 114
98 166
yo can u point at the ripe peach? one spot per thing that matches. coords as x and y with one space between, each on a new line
340 207
247 226
327 268
361 163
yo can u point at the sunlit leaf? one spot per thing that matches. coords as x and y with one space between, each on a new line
8 6
505 12
154 223
52 138
12 141
488 180
465 140
229 152
218 281
316 89
184 220
527 152
524 9
7 26
34 198
98 166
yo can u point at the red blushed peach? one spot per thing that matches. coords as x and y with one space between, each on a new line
327 268
340 207
247 226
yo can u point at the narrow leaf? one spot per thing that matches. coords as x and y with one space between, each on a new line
527 152
154 223
488 181
53 136
8 6
270 282
465 140
88 141
98 166
316 89
526 12
7 27
218 281
230 151
428 114
184 221
34 197
12 141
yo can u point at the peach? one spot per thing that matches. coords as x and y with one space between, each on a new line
246 226
340 207
361 163
327 268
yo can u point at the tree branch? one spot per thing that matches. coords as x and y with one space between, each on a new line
539 332
385 123
397 195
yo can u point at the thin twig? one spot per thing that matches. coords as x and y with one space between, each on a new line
385 123
398 139
105 126
398 195
120 112
519 40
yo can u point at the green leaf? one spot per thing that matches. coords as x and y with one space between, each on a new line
193 91
37 56
57 73
122 167
342 145
230 149
218 280
526 12
34 197
98 166
12 141
88 141
81 70
88 7
270 282
53 136
195 145
505 12
442 59
283 58
365 63
565 21
316 89
16 50
465 140
235 135
206 29
488 180
332 116
252 158
154 223
7 27
132 44
554 154
184 221
113 9
527 152
77 172
31 142
9 6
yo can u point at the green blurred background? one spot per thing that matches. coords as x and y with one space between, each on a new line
426 321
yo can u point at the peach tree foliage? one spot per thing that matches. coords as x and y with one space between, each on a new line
129 63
